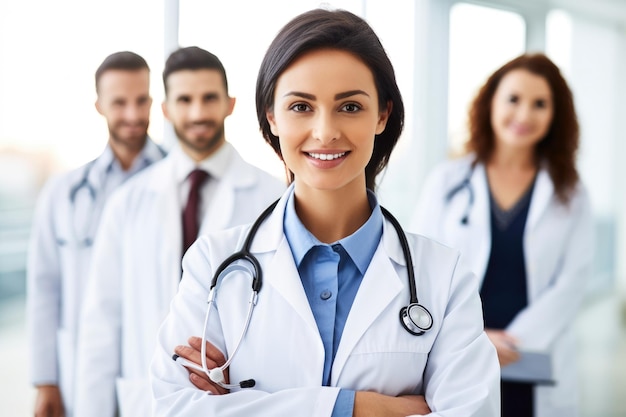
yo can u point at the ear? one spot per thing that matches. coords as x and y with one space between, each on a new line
272 122
166 113
98 108
383 117
231 104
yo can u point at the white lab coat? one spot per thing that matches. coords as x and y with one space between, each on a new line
454 365
137 269
58 263
558 247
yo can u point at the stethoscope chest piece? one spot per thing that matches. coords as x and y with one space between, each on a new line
416 319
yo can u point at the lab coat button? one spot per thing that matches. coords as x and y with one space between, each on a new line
325 295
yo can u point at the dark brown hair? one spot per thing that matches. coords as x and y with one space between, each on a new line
342 30
558 148
192 58
124 60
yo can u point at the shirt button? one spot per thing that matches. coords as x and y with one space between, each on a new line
325 295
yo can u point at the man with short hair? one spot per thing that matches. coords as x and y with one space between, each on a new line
202 184
65 224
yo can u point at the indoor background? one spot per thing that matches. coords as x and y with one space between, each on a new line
442 51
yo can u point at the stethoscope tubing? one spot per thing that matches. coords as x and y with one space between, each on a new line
466 183
87 240
211 301
415 326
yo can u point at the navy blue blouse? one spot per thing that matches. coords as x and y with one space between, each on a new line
504 291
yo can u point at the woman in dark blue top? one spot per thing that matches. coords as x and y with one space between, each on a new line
515 207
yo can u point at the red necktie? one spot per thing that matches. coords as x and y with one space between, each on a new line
190 213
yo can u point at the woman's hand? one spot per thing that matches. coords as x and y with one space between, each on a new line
506 346
214 358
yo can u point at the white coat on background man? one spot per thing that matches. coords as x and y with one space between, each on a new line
558 251
137 269
137 263
283 349
64 229
65 226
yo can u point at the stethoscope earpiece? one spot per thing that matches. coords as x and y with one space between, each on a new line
416 319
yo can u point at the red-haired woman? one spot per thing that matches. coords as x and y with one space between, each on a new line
515 206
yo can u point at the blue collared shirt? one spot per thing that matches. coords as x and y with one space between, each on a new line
107 173
103 177
331 275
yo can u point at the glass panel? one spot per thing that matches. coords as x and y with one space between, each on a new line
481 40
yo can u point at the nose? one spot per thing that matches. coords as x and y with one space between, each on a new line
524 113
197 111
133 112
325 129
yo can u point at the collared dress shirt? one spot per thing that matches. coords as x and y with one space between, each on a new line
331 275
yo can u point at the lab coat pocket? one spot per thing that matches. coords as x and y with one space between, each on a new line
66 347
390 373
134 397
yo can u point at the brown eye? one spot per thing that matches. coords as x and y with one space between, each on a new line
351 108
513 99
300 107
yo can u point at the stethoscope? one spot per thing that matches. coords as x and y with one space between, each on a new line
414 317
465 183
86 240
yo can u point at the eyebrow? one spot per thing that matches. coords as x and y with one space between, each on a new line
338 96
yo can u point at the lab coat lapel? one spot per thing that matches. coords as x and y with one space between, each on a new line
223 205
380 286
540 199
479 222
220 211
170 245
282 274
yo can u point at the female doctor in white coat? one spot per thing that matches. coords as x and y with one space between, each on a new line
516 209
331 334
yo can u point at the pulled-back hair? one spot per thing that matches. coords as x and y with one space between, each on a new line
339 30
558 148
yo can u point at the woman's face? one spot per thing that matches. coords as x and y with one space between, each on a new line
326 116
521 110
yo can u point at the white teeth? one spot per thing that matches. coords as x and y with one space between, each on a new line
326 156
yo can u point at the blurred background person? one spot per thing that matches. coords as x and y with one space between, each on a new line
147 227
65 225
515 207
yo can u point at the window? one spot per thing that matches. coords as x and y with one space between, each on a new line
481 40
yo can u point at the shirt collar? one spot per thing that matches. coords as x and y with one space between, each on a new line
216 165
107 162
151 152
360 245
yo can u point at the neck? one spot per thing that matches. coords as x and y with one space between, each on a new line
199 155
513 158
124 154
332 215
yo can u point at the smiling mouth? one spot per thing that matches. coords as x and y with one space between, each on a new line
326 156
